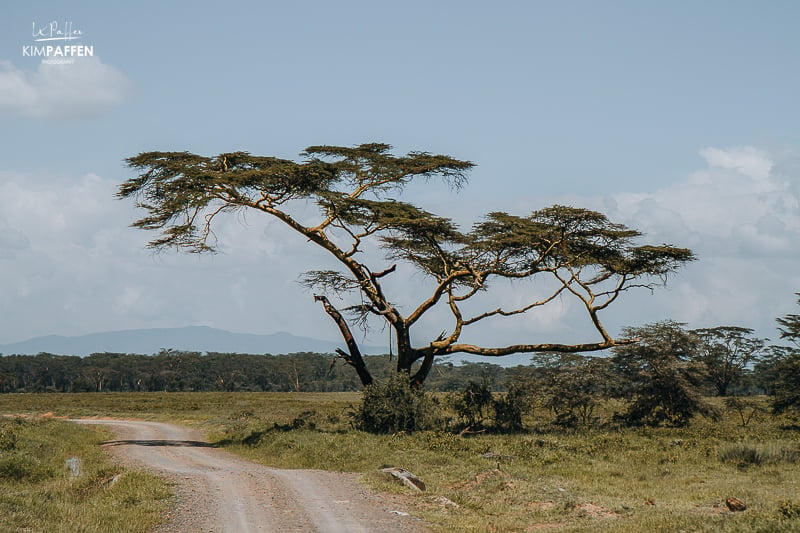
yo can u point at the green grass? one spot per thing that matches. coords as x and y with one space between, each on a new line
209 408
38 492
593 479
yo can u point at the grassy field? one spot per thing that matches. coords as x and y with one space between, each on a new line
39 493
628 480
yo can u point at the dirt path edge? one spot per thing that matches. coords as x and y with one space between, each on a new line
219 492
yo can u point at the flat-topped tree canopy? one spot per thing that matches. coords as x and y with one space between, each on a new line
356 191
790 326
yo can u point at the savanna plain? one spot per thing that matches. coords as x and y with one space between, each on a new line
593 478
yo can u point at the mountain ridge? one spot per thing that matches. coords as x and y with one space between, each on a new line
186 338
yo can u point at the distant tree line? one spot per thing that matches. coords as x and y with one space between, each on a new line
661 376
178 371
728 362
660 371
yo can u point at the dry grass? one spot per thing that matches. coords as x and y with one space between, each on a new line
593 479
38 491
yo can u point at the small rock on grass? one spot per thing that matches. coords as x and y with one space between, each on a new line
407 478
735 504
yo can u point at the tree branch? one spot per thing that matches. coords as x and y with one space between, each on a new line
438 292
354 358
531 348
521 310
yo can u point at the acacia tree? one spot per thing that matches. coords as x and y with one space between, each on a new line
790 327
573 385
785 366
660 376
355 189
725 351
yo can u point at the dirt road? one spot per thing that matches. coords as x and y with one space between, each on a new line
218 492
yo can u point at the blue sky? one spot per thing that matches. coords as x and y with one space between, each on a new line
677 118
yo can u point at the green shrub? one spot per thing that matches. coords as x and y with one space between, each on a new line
572 386
8 437
666 401
508 409
789 509
787 383
391 405
19 468
659 373
745 408
472 403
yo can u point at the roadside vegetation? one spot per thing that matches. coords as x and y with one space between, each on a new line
641 440
598 476
54 477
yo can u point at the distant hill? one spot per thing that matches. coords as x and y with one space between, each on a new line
190 338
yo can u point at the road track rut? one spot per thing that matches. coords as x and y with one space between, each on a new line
217 492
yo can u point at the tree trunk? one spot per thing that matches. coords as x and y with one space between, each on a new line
406 354
354 358
427 363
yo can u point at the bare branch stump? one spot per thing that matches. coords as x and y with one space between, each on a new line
407 478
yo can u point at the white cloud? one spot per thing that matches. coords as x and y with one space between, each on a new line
741 216
746 160
734 206
11 241
85 88
77 267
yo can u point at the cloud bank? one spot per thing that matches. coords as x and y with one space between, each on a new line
72 265
741 216
85 88
76 267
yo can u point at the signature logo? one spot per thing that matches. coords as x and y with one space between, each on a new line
55 32
57 35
